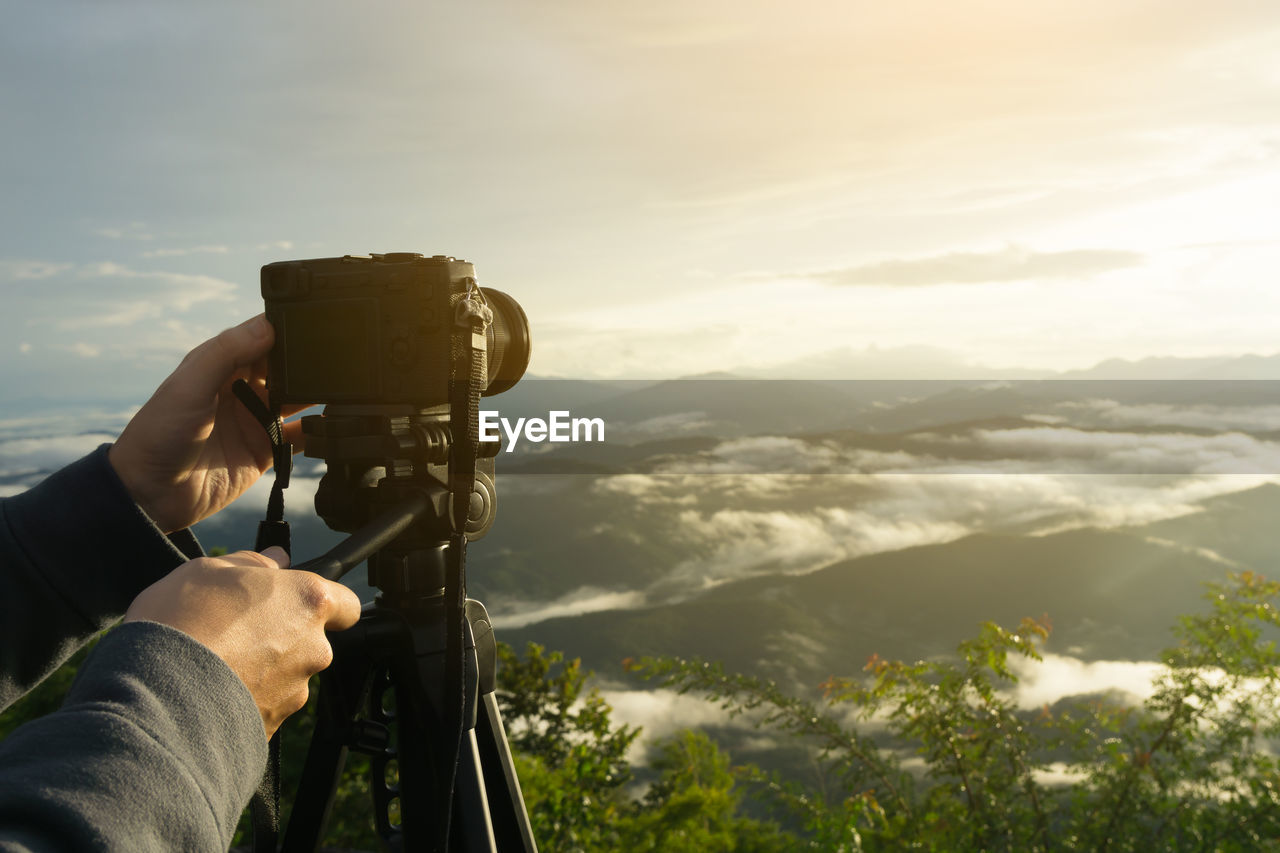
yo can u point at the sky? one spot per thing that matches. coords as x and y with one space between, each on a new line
668 188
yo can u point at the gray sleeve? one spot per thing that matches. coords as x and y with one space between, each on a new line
158 748
74 552
159 744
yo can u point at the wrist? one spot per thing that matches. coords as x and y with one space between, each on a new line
126 471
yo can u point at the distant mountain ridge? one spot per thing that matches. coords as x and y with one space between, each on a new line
1169 367
933 363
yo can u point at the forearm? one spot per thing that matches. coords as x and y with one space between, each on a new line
158 747
74 551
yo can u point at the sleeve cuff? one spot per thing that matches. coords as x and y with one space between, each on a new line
189 701
158 746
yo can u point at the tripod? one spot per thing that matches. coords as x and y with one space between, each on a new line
384 695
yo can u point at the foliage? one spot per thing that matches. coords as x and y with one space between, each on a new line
573 770
694 806
1191 768
1195 768
573 763
931 755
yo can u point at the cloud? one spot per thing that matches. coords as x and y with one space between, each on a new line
193 250
40 456
734 544
46 426
1012 263
920 362
516 614
35 446
108 294
175 290
725 527
105 330
1248 418
665 425
1059 676
28 270
759 454
662 712
124 314
1045 503
1069 450
1058 774
1048 447
129 231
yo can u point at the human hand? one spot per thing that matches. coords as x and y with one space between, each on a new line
194 448
266 621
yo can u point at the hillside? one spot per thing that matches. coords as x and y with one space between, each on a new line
1109 596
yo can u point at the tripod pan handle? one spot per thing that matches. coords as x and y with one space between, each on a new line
377 534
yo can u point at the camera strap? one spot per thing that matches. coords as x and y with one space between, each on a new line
469 347
272 530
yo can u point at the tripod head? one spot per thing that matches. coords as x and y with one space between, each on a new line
380 458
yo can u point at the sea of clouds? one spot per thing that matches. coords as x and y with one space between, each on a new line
786 505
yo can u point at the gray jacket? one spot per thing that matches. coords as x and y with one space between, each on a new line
159 745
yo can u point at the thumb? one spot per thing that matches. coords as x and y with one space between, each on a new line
277 555
207 367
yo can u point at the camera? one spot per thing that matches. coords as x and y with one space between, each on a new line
378 329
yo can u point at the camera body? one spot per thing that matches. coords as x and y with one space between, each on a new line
377 329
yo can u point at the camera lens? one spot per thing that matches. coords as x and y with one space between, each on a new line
509 342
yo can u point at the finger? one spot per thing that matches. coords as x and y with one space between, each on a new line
277 555
293 435
321 655
274 557
256 373
208 367
344 607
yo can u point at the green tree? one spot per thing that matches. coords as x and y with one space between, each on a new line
1195 768
1192 768
573 767
694 807
570 756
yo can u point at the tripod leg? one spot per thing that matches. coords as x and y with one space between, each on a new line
471 803
506 802
321 772
343 694
390 657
